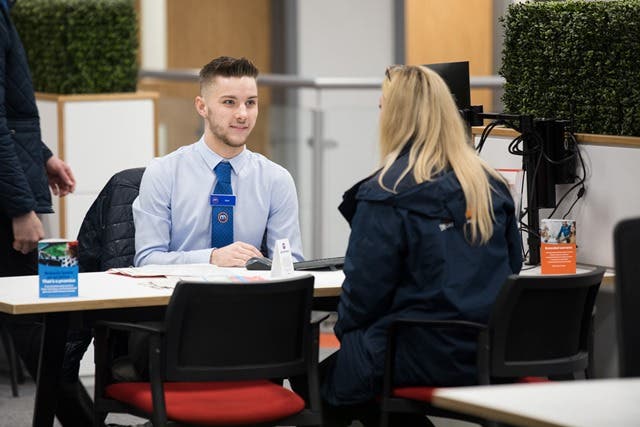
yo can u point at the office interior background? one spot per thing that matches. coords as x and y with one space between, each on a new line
318 116
321 63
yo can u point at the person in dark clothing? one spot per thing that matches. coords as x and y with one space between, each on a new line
27 170
433 236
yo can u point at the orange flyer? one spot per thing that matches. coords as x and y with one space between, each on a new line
558 246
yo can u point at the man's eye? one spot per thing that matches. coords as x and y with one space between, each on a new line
228 102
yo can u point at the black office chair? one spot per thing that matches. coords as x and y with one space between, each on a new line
540 328
212 360
107 234
627 295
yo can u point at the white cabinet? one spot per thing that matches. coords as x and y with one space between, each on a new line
98 135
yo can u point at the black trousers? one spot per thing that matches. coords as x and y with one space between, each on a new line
75 407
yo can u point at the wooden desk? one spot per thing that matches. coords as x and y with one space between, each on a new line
101 295
591 403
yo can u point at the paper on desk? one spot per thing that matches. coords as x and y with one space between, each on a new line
186 270
166 276
171 281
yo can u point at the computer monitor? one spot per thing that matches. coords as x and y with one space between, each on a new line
456 76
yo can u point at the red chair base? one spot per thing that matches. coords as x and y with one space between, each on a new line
214 403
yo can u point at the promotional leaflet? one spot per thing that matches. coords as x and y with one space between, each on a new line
58 268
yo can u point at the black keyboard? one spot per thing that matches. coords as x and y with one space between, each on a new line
320 264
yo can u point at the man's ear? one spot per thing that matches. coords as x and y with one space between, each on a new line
201 106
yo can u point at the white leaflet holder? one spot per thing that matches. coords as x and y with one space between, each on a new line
282 264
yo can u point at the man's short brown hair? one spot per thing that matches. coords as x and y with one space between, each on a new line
227 66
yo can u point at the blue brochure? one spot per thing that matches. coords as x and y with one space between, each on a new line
58 268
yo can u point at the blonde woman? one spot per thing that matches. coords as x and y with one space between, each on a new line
433 236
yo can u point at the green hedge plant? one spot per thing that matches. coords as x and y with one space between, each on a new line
575 60
79 46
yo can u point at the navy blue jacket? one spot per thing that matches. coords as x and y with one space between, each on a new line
23 178
107 234
409 258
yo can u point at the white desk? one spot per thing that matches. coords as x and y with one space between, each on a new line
592 403
607 280
102 295
19 295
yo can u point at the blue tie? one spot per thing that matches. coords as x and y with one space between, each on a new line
222 216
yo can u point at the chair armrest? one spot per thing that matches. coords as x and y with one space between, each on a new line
125 326
318 316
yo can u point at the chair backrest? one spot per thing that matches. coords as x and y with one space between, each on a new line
232 331
107 234
626 237
541 325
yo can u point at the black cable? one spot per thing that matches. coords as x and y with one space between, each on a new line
521 215
485 134
583 189
514 146
580 194
580 183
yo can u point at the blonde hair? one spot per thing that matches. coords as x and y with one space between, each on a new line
418 109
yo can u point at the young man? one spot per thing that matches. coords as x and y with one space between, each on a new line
190 210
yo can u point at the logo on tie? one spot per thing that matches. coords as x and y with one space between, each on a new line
222 202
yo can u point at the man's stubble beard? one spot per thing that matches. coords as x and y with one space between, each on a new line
224 139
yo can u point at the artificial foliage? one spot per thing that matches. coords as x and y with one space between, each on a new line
575 60
79 46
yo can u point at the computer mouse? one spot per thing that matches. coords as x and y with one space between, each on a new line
258 263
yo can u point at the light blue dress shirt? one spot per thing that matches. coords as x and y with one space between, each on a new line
172 213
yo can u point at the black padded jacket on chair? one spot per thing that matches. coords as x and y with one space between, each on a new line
107 235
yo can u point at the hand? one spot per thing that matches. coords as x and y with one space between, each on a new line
27 230
61 178
233 255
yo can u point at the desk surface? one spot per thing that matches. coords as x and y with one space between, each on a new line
592 403
607 281
19 295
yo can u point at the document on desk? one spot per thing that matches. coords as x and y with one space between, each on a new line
171 281
188 270
166 276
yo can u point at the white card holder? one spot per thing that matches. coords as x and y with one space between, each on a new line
282 263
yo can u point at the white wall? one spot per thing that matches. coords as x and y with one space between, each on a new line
338 38
611 194
153 37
